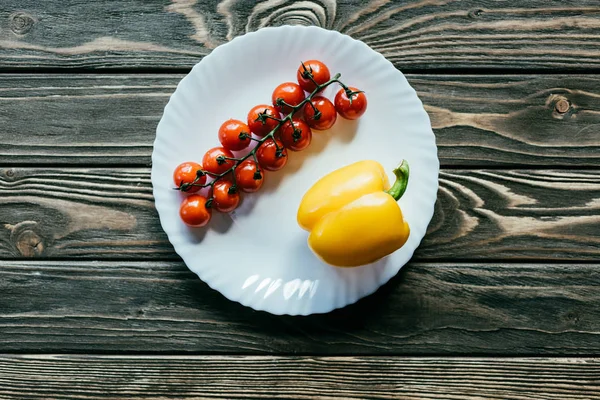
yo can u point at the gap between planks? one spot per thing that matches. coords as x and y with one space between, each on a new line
406 71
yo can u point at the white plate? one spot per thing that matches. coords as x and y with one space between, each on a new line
259 256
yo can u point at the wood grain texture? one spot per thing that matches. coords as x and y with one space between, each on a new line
480 214
73 119
513 120
80 212
515 214
415 34
428 309
61 377
478 120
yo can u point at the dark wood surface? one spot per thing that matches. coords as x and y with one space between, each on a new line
500 301
480 214
479 121
298 377
414 34
428 309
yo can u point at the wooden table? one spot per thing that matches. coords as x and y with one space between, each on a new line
501 301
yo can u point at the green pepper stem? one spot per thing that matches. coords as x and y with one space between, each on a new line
399 186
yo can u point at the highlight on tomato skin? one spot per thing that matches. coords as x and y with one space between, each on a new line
272 156
225 197
295 136
234 135
261 119
350 110
320 113
218 160
188 173
315 69
249 176
194 212
290 93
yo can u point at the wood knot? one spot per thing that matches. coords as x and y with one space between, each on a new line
21 23
476 13
562 106
572 317
26 240
10 173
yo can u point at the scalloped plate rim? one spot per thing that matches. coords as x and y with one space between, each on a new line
170 104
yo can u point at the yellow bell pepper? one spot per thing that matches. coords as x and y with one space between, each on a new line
352 214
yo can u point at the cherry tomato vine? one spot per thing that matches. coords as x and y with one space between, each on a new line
276 133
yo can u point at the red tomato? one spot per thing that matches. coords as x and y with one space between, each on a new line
187 173
289 92
350 110
193 211
270 156
261 125
248 176
226 197
326 116
215 160
234 135
296 137
314 68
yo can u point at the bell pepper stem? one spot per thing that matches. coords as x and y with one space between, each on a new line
399 186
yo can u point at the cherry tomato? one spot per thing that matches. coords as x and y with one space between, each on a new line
314 68
348 110
186 173
269 157
215 160
296 137
289 92
326 117
193 211
234 135
248 176
261 125
226 197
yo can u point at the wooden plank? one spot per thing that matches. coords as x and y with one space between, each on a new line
428 309
480 214
80 212
415 34
511 120
73 119
515 214
61 377
505 120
